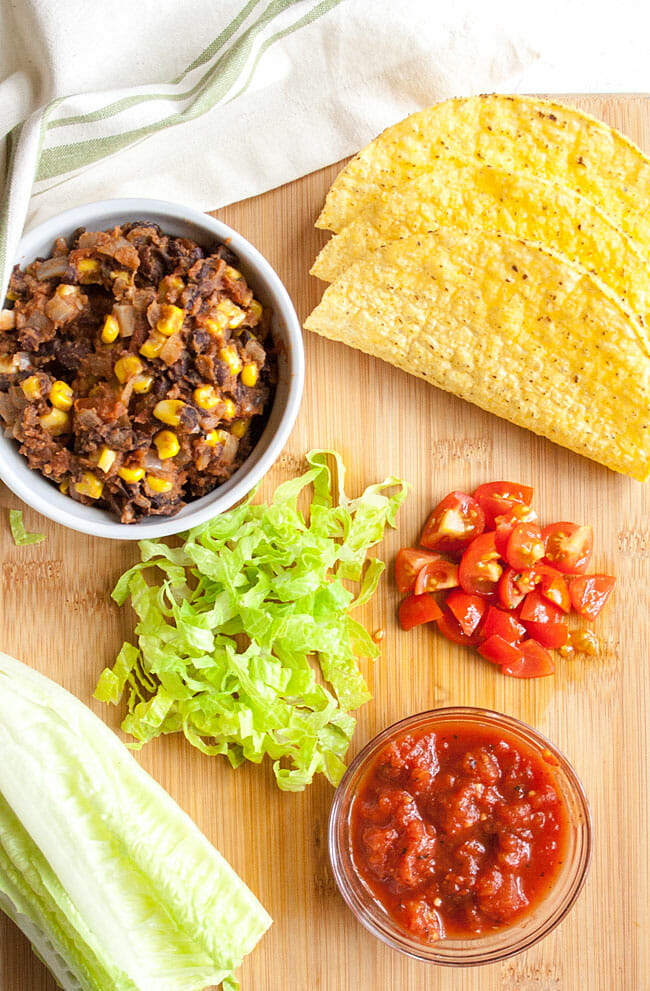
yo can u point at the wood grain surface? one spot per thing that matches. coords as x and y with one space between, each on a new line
57 616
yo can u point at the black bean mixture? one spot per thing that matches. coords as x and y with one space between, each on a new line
135 368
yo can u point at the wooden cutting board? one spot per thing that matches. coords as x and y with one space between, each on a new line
57 616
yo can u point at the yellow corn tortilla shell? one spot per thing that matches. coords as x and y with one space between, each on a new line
509 326
484 197
514 132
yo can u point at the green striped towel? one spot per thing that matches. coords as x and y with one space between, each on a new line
260 92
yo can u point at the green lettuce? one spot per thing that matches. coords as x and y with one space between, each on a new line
245 642
18 531
109 879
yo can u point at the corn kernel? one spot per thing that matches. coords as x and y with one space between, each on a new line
56 421
170 284
227 314
88 266
31 387
67 290
239 428
8 365
249 375
215 328
120 273
131 475
206 397
171 320
232 359
106 459
166 444
110 330
11 295
232 273
256 308
153 345
228 409
65 486
142 383
216 437
61 395
159 485
7 319
89 486
169 411
127 367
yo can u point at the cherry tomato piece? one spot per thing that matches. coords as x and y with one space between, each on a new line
514 586
535 661
553 586
548 634
409 561
568 547
480 569
537 609
450 628
497 498
502 624
436 575
525 546
499 651
467 609
453 524
418 609
589 593
505 524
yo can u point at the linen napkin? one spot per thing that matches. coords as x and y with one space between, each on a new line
207 103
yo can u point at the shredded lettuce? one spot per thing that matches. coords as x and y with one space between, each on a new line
110 880
18 531
245 642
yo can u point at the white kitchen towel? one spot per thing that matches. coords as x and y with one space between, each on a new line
210 101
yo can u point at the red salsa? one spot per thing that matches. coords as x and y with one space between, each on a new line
460 831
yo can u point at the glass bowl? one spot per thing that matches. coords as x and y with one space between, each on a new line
497 944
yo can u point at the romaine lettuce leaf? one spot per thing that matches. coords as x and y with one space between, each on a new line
107 876
245 642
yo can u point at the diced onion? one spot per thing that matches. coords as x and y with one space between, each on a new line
52 268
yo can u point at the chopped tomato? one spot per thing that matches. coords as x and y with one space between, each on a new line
436 575
499 651
568 547
548 634
525 546
503 624
467 609
589 593
498 498
505 524
453 524
535 661
450 628
418 609
537 609
480 570
553 586
408 563
514 586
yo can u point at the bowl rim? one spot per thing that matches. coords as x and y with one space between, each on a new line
470 954
39 494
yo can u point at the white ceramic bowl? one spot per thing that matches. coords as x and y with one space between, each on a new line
181 221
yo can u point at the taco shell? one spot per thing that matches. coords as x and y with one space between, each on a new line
556 142
509 326
483 197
